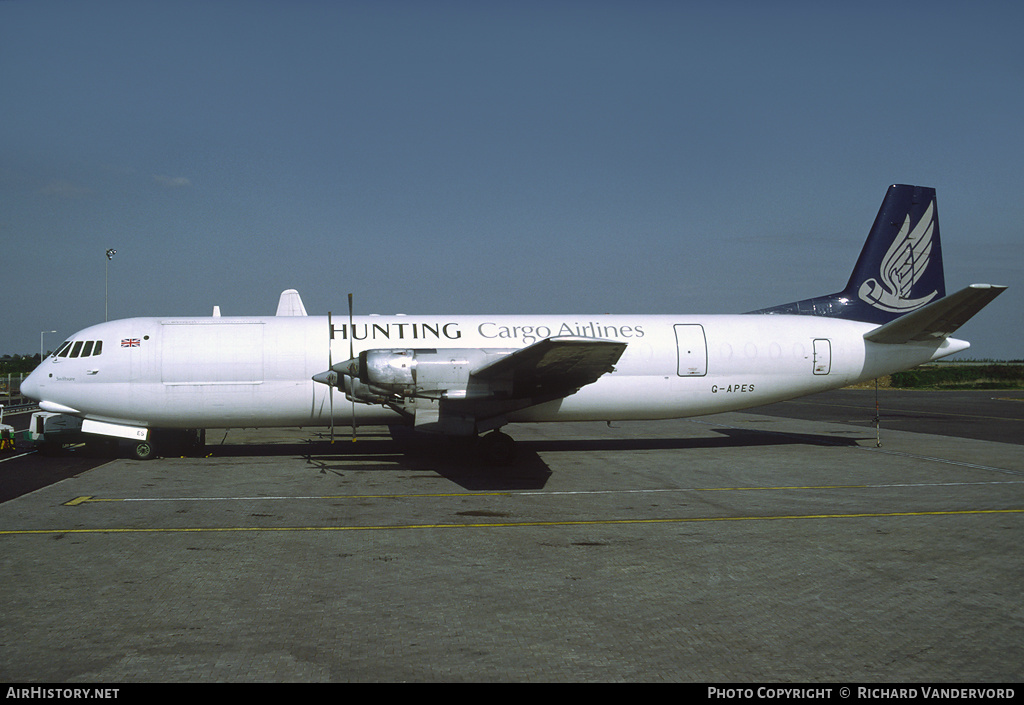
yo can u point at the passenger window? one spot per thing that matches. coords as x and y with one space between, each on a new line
87 350
76 349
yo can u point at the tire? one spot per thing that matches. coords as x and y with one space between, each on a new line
143 451
497 448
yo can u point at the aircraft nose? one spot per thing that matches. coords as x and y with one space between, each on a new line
30 386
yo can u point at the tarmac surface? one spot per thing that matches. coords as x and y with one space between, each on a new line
778 546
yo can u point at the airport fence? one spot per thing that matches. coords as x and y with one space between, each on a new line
10 389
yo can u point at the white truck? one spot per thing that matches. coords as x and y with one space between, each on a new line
50 431
6 433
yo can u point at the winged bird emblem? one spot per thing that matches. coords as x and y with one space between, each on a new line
902 267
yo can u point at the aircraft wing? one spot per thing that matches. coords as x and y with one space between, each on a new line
552 368
543 372
938 319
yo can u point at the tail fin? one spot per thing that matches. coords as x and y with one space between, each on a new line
898 271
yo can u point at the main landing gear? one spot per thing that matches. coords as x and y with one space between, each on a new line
497 448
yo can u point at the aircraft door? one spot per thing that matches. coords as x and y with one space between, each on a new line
822 356
142 354
691 349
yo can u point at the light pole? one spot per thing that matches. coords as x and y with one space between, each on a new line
41 343
106 278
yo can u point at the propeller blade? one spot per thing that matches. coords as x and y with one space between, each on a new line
351 355
330 362
351 337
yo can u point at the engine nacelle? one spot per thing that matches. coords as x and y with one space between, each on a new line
424 372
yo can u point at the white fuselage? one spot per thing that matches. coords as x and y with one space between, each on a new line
257 371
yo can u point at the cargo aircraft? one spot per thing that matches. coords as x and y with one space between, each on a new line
148 379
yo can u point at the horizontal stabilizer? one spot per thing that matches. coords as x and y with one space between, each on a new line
290 304
938 319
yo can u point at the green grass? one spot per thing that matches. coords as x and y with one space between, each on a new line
978 375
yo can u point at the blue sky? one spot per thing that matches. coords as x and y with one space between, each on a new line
495 157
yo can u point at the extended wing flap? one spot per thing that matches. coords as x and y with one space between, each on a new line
938 319
554 367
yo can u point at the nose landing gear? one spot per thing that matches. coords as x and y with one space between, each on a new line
173 441
143 450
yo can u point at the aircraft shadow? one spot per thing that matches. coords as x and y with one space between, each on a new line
456 461
460 463
730 438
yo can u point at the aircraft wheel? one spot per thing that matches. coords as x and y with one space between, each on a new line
498 448
143 451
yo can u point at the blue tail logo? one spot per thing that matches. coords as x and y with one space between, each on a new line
899 269
902 267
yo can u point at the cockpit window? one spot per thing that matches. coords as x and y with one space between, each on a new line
79 348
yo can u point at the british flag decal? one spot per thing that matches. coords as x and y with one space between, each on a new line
130 342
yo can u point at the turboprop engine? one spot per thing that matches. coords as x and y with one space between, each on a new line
377 376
